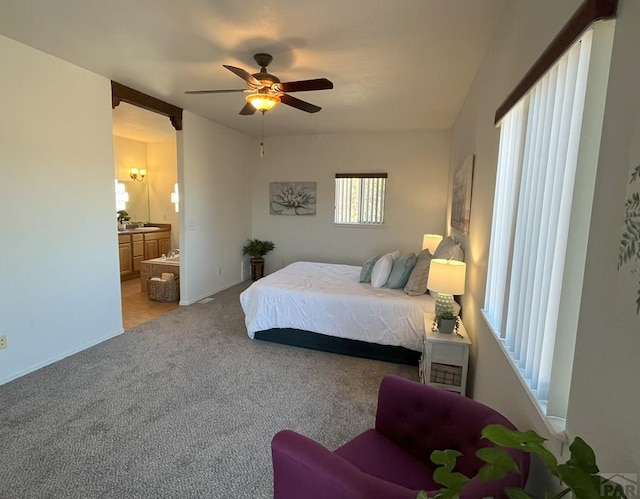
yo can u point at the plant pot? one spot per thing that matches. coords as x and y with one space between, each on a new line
257 268
446 325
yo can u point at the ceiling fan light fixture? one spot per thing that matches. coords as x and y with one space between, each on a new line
263 102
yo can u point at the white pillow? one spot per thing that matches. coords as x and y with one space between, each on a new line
381 271
395 255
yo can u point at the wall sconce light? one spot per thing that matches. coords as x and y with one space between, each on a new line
175 197
447 278
430 242
122 196
136 174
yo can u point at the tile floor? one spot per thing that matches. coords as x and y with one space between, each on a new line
136 306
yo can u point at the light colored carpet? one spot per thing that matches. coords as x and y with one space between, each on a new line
184 406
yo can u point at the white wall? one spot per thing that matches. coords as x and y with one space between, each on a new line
59 265
603 404
162 160
215 217
417 167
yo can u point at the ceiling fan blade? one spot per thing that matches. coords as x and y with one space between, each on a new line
247 110
305 85
215 91
299 104
248 77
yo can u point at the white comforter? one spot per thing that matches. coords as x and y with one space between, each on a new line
328 299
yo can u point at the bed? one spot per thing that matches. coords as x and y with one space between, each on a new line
323 306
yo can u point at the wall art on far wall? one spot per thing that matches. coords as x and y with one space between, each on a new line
461 196
292 198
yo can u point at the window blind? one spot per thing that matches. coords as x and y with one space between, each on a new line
539 141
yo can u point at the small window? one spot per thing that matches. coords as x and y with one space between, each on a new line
360 198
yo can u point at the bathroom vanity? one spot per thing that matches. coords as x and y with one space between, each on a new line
139 244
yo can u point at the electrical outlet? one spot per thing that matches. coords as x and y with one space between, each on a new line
3 341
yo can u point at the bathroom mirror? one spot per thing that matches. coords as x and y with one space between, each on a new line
138 204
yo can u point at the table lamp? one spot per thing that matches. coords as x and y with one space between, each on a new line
430 242
446 277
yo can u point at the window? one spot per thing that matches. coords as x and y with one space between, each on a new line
360 198
534 219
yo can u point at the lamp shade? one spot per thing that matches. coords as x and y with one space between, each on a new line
447 276
430 242
263 102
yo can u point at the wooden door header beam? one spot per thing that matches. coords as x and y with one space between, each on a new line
589 12
121 93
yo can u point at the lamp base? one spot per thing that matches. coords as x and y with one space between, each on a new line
444 303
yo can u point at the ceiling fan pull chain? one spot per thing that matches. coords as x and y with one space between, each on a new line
262 138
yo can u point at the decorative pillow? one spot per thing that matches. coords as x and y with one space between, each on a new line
448 249
395 255
401 271
367 267
381 270
417 283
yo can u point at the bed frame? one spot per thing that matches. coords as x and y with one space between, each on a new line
344 346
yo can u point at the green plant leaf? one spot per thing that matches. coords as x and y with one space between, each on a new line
582 456
516 493
498 463
583 484
422 495
444 474
528 441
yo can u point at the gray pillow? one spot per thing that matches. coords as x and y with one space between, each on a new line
367 267
417 283
401 271
448 249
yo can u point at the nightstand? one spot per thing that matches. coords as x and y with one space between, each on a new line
445 357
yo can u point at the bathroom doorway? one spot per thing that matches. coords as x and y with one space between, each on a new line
146 173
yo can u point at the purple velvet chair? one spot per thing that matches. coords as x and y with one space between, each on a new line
392 460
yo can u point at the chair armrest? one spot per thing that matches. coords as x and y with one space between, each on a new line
304 468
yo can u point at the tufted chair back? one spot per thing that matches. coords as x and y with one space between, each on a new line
436 420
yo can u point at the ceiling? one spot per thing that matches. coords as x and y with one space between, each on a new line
395 65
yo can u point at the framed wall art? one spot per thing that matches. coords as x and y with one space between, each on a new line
292 198
461 196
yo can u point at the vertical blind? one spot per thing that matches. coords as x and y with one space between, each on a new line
360 198
537 162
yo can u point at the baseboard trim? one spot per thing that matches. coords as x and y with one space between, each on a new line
56 358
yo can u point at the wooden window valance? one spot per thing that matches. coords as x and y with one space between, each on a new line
588 12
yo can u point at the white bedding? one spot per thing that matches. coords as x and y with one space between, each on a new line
328 299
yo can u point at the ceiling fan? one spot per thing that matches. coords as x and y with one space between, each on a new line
265 90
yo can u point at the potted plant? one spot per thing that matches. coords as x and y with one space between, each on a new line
579 474
123 218
256 249
447 322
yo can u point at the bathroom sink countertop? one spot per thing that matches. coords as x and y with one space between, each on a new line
138 230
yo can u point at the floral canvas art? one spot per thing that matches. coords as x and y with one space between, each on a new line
292 198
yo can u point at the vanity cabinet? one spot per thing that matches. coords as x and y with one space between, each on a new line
126 255
134 247
137 248
156 244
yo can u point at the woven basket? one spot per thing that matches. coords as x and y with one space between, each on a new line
164 291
